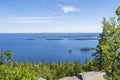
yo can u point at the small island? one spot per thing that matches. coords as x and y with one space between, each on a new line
54 39
30 39
70 50
87 49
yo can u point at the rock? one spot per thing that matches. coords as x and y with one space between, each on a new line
41 79
94 75
70 78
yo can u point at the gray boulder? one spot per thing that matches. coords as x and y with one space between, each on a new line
70 78
93 75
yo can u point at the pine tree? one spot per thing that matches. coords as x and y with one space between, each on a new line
108 50
100 54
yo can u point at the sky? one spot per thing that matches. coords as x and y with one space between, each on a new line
55 16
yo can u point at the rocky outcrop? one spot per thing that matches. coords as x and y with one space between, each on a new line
94 75
70 78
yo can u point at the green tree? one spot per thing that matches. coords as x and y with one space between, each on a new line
88 66
1 58
108 49
8 54
100 55
118 12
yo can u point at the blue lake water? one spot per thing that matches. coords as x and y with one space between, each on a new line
50 47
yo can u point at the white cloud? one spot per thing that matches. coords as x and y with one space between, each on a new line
68 9
30 19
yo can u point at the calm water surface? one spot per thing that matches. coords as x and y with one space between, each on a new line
50 47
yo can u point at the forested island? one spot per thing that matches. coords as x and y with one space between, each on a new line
87 49
106 59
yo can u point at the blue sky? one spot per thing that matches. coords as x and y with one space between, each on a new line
46 16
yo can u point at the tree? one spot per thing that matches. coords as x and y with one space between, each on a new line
118 12
1 57
108 49
6 55
100 54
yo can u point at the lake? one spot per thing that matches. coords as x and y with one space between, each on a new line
50 47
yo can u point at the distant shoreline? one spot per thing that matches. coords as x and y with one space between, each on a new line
57 33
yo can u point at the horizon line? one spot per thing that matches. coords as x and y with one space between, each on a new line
42 32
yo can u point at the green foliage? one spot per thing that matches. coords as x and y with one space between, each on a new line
32 71
88 66
118 12
108 50
19 72
6 55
